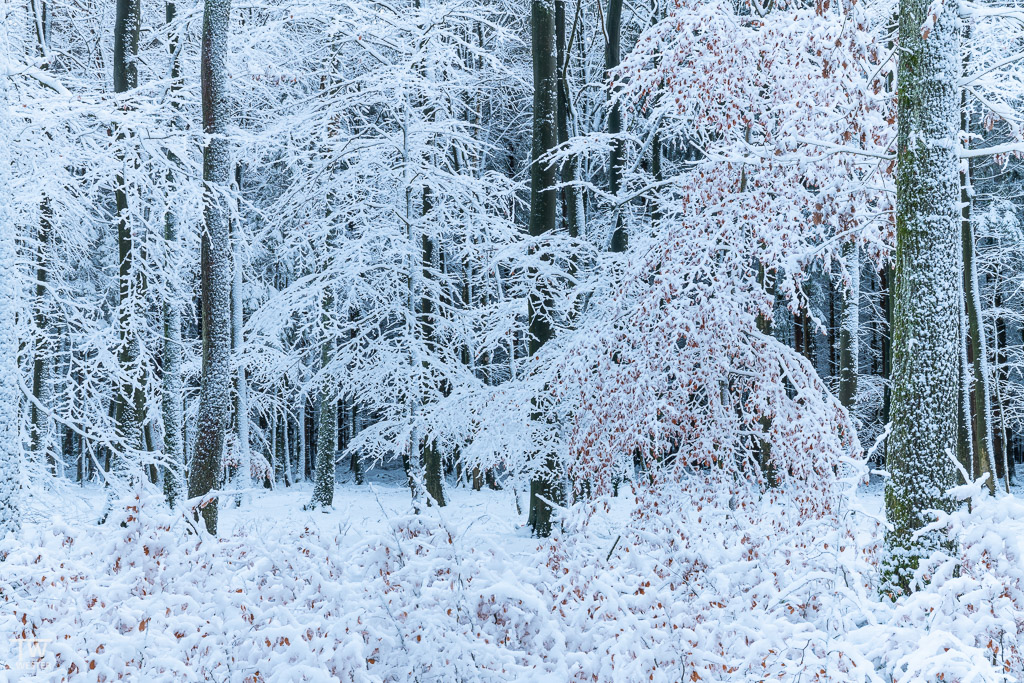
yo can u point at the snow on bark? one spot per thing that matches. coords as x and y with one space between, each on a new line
10 439
543 214
849 333
216 262
172 398
327 418
243 478
922 446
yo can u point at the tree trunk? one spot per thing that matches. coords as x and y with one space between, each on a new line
215 265
129 412
357 466
613 29
982 452
849 333
925 378
10 440
243 477
546 486
327 421
572 201
301 438
173 399
286 448
885 286
41 431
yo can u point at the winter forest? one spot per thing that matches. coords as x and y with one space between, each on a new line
512 340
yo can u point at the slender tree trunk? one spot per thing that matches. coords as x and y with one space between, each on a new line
572 200
432 466
173 399
982 452
243 478
129 413
41 432
999 380
41 429
885 286
547 484
10 439
327 429
357 466
327 420
301 438
849 333
923 440
613 29
215 265
286 448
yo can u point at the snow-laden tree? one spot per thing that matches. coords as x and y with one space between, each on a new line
773 135
399 264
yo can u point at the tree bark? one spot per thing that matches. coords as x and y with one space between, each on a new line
215 264
923 438
172 398
546 486
327 420
849 332
10 440
983 455
243 477
129 412
613 29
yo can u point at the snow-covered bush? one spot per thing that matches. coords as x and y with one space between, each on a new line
965 620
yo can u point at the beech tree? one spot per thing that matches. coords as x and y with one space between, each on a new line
216 266
920 452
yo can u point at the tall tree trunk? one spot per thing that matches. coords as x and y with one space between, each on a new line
981 444
357 466
572 200
326 438
173 398
849 332
885 286
433 475
327 418
302 463
613 30
286 447
10 439
925 379
547 485
215 264
1000 377
129 412
41 432
243 477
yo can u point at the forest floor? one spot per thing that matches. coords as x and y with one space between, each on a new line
368 592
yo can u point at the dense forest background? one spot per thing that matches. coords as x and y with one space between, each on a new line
713 261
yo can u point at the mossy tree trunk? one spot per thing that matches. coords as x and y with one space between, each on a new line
923 441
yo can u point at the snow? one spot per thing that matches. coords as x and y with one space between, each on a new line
367 592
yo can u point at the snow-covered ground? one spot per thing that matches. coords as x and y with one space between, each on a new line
687 590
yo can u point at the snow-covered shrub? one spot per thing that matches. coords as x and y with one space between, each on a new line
145 598
703 588
966 619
